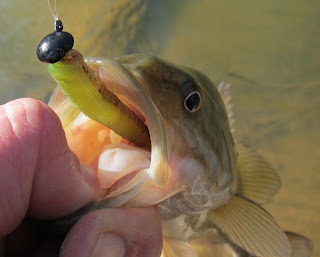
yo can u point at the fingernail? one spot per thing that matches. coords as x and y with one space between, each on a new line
110 245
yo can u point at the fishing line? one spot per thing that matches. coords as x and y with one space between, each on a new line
54 12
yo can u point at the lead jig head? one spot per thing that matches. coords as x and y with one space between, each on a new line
54 46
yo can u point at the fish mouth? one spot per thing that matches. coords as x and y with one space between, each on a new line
134 183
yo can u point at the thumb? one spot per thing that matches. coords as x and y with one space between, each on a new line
116 232
39 174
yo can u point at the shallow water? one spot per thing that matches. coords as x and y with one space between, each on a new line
268 50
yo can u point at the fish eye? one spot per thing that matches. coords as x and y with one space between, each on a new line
192 101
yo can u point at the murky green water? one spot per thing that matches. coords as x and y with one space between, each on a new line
268 50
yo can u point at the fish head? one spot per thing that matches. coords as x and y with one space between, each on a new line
192 157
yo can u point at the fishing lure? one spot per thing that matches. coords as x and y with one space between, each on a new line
85 89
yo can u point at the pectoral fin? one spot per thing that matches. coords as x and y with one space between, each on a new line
258 181
301 246
251 227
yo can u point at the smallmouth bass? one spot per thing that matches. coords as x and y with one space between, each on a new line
209 187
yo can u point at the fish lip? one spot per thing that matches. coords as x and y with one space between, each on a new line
122 81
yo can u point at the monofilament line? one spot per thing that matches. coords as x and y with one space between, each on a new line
54 12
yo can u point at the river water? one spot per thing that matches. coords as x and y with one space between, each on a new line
268 50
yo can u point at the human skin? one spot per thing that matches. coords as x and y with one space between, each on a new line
40 178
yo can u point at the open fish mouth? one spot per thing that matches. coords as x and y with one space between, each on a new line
123 168
155 91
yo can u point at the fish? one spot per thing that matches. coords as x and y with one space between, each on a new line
210 186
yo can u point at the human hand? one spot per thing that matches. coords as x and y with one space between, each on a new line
41 178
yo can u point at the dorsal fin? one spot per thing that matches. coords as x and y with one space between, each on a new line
258 181
251 227
301 246
226 97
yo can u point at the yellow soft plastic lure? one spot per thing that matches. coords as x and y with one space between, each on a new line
85 89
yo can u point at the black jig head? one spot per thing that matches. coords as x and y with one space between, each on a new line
55 45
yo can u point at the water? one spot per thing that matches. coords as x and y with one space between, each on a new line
268 50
